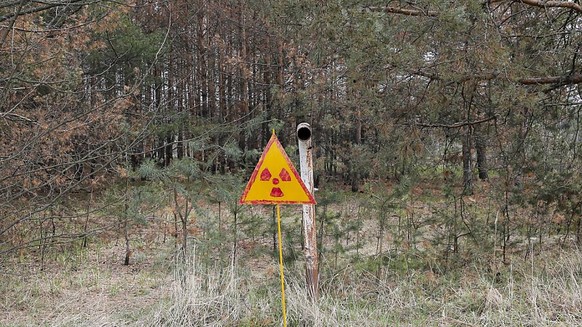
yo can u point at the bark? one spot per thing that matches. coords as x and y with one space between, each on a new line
467 163
268 100
169 147
244 82
354 174
180 144
481 149
201 65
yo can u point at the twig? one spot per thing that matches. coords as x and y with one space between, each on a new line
457 125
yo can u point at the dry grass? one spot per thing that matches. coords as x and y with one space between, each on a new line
81 289
539 292
543 291
92 288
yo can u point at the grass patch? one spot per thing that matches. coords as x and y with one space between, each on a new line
530 295
538 291
429 266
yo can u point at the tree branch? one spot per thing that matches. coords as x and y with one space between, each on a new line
10 4
12 21
457 125
404 11
46 6
559 80
432 13
13 116
550 4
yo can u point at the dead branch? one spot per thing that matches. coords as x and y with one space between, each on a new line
557 80
404 11
432 13
560 80
457 125
550 4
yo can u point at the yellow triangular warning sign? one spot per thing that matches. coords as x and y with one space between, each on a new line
275 180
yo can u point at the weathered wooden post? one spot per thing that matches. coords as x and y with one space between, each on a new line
309 227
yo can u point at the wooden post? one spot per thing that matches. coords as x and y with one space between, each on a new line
309 227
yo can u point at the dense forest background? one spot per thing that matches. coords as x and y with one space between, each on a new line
121 108
447 154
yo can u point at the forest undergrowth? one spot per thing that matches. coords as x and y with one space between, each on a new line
449 177
406 260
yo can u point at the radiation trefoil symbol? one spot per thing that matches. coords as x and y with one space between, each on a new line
283 177
274 180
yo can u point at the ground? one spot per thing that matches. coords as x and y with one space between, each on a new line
407 285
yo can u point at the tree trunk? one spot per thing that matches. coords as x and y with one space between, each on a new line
126 225
481 149
244 77
354 173
169 149
201 66
180 144
467 163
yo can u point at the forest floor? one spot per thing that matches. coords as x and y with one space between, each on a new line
91 287
84 288
96 290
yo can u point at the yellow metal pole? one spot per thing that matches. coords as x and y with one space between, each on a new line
281 273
